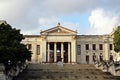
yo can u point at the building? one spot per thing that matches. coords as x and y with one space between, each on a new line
62 44
3 22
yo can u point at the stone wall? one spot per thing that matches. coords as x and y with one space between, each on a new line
82 40
109 66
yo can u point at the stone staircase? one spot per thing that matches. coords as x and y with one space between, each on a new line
67 72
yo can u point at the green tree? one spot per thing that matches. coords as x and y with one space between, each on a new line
116 39
11 48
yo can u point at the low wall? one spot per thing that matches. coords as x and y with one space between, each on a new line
109 67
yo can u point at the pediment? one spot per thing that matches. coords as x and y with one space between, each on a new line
59 30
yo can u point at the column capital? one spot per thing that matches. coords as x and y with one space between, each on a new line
48 42
74 37
43 37
55 42
62 42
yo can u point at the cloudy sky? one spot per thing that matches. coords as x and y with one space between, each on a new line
85 16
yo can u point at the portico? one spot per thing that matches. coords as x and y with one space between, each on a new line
58 51
60 45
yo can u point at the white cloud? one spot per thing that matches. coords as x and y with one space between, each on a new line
102 22
47 22
14 9
72 26
17 9
69 6
32 15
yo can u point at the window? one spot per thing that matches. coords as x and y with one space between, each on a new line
38 49
94 46
100 47
87 46
110 46
78 49
29 46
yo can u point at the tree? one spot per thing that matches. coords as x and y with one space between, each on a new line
11 48
116 39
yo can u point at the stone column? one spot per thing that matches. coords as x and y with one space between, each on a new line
106 48
48 52
73 51
106 51
55 52
69 53
62 52
44 50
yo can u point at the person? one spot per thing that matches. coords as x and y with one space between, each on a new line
87 59
94 57
101 57
111 57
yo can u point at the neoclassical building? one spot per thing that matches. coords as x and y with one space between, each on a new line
62 44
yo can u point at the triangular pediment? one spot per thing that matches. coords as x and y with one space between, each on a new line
58 30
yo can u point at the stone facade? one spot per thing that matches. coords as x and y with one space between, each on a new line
62 44
90 45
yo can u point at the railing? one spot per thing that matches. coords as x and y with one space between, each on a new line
109 66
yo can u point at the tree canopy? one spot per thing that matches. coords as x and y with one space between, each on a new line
116 39
11 47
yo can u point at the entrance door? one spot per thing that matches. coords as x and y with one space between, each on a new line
58 56
51 52
65 58
51 57
58 52
65 52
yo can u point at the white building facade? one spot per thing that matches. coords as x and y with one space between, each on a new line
62 44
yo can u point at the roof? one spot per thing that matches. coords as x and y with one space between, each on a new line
31 35
57 27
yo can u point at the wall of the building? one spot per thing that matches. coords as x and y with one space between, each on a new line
42 41
34 41
82 40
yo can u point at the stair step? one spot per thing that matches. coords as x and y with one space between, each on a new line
68 72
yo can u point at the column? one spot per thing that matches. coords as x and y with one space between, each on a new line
69 53
106 48
44 51
62 53
106 51
55 52
73 51
48 52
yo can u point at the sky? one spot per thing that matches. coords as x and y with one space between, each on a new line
87 17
